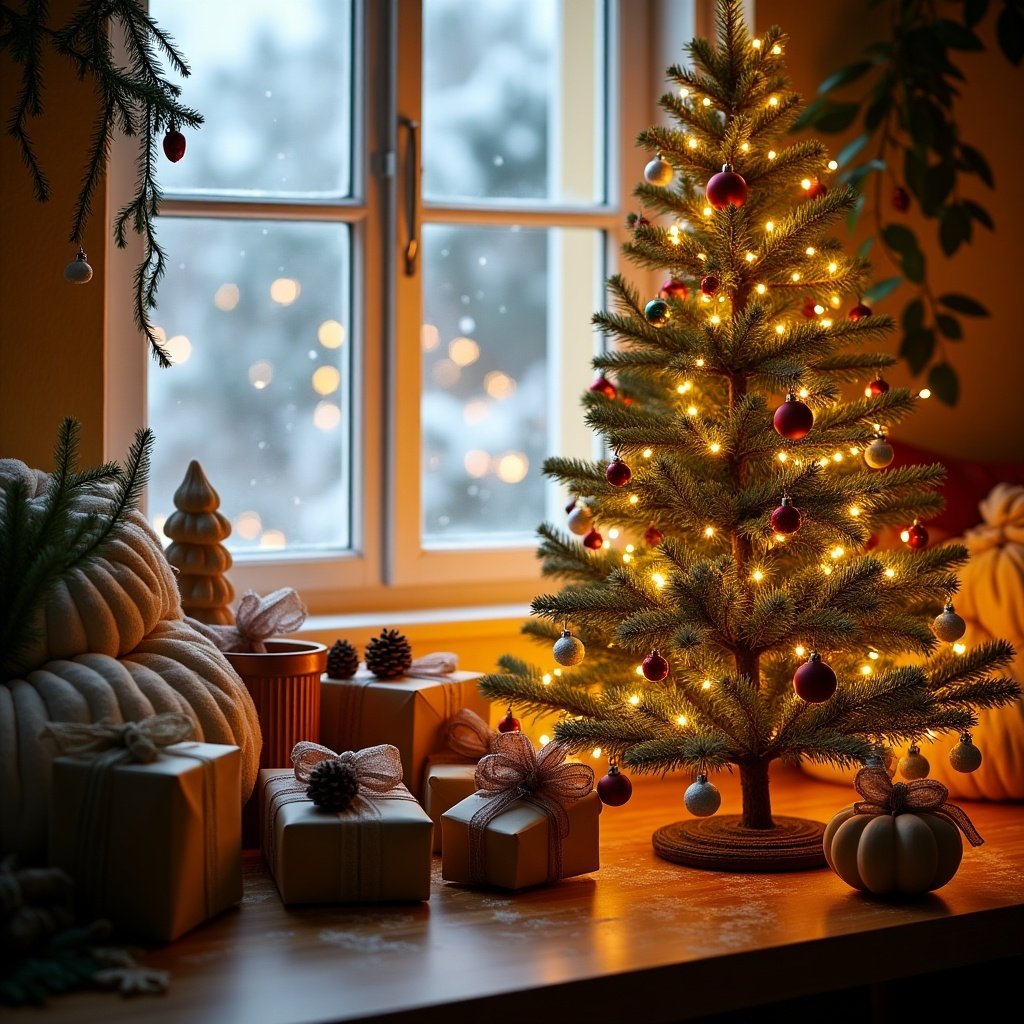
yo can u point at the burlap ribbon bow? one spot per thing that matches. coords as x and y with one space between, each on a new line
378 769
468 735
515 771
883 796
137 741
256 619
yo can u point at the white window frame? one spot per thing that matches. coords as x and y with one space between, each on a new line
387 568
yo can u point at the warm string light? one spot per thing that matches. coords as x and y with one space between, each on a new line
681 720
658 580
799 650
755 43
833 165
772 154
633 499
810 250
959 648
691 410
693 143
924 393
709 532
635 699
761 289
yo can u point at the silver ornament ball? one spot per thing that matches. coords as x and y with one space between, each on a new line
659 172
568 650
879 454
965 756
702 798
78 270
914 765
580 521
948 626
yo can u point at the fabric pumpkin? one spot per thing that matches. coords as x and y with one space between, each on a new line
108 605
173 669
991 602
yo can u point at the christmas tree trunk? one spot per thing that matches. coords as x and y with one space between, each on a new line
769 624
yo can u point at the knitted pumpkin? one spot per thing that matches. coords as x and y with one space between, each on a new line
110 643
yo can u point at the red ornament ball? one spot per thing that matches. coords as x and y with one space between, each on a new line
900 199
618 474
786 519
859 311
877 387
654 667
593 540
174 145
727 188
509 724
808 309
814 681
673 289
603 386
653 536
614 789
793 420
817 190
915 536
710 284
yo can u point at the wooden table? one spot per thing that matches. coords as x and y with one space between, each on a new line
640 941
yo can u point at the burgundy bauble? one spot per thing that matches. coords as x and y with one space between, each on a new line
618 474
614 789
603 386
814 681
917 536
710 284
859 311
877 387
817 190
508 724
808 309
174 145
793 420
673 289
786 519
653 536
593 540
900 199
726 188
654 667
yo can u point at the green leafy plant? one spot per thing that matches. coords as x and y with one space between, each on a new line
42 541
911 150
137 100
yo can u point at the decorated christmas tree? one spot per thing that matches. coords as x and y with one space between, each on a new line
752 617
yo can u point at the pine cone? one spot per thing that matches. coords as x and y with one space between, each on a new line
332 785
342 660
389 655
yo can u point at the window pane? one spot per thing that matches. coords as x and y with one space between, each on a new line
256 316
513 100
274 82
496 328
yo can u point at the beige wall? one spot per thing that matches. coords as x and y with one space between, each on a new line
51 332
988 423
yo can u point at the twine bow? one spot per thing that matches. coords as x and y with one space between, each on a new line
468 735
883 796
378 770
139 741
515 771
256 619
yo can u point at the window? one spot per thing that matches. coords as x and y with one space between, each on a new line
385 246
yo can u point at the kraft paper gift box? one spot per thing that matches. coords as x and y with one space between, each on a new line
516 843
365 854
445 786
410 713
154 848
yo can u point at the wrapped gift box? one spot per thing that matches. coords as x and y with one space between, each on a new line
444 787
516 842
409 713
377 850
154 848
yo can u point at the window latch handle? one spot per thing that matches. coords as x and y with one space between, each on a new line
412 244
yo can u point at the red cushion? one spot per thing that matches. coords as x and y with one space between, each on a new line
967 483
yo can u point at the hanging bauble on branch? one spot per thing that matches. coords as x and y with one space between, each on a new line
900 199
965 756
581 520
593 540
614 789
913 764
657 312
659 172
878 386
814 681
948 626
709 285
654 667
793 420
174 144
618 474
702 798
603 386
915 536
727 188
568 649
509 723
786 519
879 453
816 189
672 288
859 311
78 270
653 536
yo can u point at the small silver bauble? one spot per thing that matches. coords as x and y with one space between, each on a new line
581 520
568 650
78 270
965 756
879 453
948 626
659 171
702 798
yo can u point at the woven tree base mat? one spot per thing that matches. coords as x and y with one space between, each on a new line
721 843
